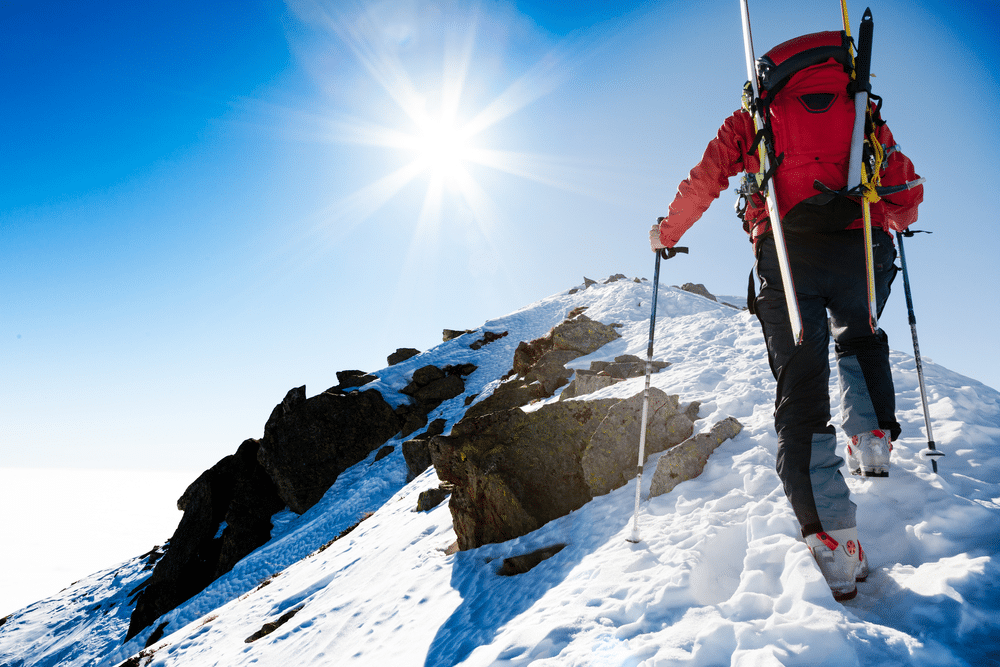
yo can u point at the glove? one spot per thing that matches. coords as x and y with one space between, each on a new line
654 239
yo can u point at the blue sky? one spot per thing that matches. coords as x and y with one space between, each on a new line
206 204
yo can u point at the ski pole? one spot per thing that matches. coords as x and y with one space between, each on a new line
931 450
666 253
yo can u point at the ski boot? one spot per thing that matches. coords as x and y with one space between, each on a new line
868 454
841 560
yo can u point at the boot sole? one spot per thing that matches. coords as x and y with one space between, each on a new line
844 597
870 473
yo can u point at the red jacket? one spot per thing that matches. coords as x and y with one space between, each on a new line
726 156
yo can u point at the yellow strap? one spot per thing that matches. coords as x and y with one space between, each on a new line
847 22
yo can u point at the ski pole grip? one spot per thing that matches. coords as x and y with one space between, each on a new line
667 253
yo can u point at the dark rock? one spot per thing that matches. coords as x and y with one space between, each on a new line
687 460
227 514
539 366
427 374
416 452
401 354
348 379
451 334
615 278
582 335
270 627
248 519
435 393
460 369
431 498
603 374
308 442
412 419
488 337
550 370
382 453
520 564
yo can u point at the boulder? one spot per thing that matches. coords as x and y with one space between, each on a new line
687 460
416 452
699 289
429 387
401 354
451 334
307 443
488 337
512 471
431 498
514 565
586 383
411 418
349 379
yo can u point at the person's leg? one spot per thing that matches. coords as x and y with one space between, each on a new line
868 399
807 462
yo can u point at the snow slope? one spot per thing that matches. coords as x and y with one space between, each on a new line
719 578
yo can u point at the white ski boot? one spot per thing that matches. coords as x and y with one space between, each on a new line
841 560
868 454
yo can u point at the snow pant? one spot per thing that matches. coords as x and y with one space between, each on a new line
828 270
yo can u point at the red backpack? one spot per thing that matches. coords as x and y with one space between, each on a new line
808 108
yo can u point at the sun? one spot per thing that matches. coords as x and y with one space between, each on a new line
443 147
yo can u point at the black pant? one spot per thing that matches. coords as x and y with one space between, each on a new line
828 270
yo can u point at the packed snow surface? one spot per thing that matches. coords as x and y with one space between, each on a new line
720 576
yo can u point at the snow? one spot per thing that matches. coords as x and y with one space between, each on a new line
719 578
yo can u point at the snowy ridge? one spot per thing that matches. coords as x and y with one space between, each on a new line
719 578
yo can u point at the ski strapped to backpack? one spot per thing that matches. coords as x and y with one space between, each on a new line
858 176
764 147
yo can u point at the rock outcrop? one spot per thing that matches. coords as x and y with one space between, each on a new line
539 366
429 387
513 471
307 443
699 289
401 354
603 374
416 452
227 514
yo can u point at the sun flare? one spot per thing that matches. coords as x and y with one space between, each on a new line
446 114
